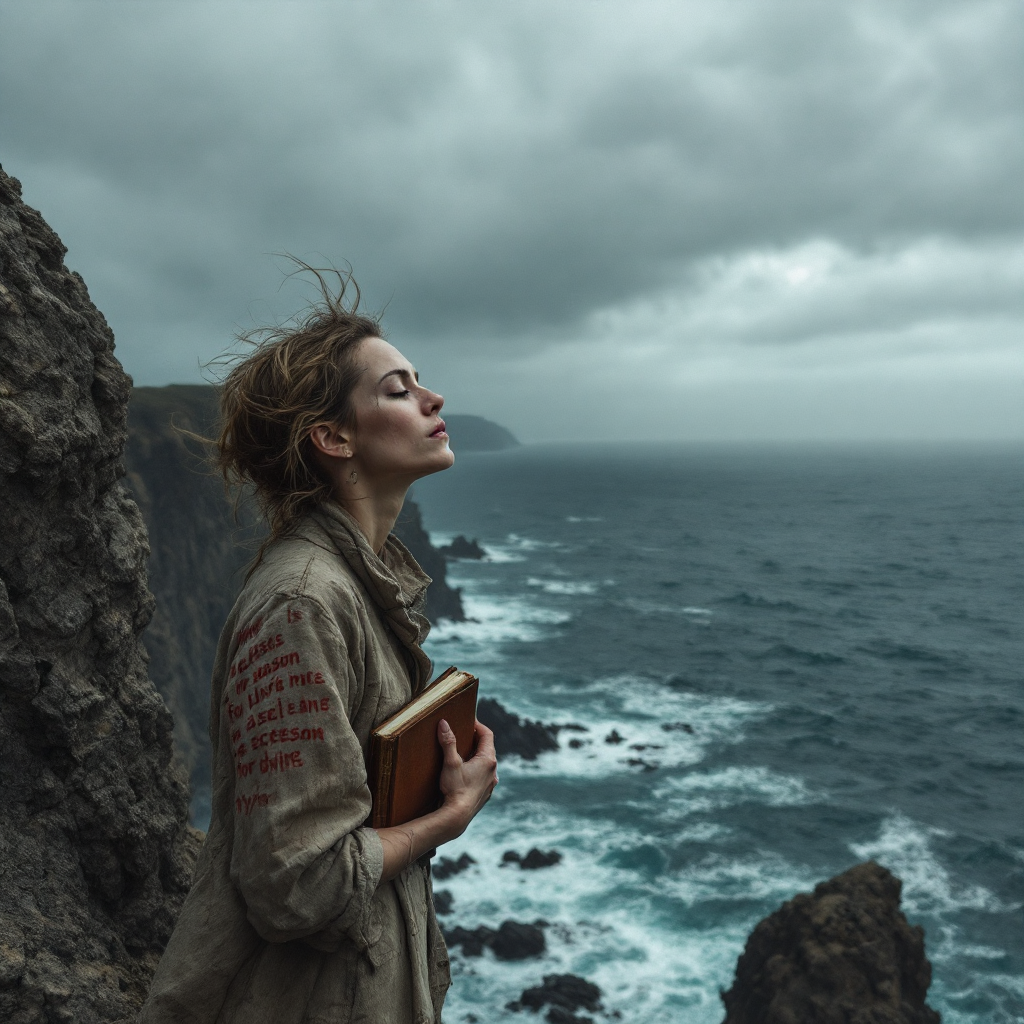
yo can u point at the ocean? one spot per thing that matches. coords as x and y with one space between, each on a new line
813 656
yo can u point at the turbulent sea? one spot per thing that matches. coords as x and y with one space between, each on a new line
814 657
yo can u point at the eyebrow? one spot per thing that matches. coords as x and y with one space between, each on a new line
399 373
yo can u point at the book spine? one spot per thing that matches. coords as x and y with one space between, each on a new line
383 756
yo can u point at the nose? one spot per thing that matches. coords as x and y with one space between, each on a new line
432 400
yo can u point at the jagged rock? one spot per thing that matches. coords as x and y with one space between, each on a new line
443 901
513 735
95 852
563 994
443 601
446 867
842 955
198 554
462 548
514 940
533 860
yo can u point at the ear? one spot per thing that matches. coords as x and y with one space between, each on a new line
330 439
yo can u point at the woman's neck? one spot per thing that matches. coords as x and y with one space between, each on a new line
375 512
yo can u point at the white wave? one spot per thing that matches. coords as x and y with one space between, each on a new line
490 623
643 712
705 791
566 587
647 607
904 847
584 519
606 922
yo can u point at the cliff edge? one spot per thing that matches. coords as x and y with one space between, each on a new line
843 954
95 855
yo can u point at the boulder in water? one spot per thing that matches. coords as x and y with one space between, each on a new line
843 954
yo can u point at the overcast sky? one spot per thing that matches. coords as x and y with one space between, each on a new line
595 220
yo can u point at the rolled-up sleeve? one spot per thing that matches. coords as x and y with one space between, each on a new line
302 860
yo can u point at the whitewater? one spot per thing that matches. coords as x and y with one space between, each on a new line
775 663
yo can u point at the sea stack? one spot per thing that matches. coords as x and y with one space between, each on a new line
95 852
843 954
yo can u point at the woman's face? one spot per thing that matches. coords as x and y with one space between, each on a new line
398 434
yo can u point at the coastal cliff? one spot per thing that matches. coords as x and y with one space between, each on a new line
95 853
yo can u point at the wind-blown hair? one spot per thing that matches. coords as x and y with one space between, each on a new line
295 376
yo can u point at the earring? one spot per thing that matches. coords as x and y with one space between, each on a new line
353 477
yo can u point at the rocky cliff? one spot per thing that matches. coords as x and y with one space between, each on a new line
95 855
199 552
843 954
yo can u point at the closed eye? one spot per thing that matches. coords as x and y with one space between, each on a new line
399 394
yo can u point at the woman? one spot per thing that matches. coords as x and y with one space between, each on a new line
299 912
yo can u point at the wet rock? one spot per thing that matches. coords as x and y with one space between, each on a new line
445 867
533 860
514 940
473 941
462 548
443 901
564 995
95 852
513 735
443 601
639 762
843 954
614 737
678 727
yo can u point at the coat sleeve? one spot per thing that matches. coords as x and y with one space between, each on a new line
301 858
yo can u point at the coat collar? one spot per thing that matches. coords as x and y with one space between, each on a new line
394 580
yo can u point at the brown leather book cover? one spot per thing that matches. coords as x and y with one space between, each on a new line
406 755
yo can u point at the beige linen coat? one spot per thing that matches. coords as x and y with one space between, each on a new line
288 921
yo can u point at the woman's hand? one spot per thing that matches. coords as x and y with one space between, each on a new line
466 785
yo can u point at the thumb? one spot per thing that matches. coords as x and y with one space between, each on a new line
446 737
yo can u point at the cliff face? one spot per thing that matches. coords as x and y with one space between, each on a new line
843 954
95 856
199 555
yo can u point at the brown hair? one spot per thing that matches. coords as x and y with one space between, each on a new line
298 374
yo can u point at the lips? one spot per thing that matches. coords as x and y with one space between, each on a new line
439 430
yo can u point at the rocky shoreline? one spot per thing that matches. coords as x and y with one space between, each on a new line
96 853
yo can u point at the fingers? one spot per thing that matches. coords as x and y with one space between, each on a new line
485 743
446 737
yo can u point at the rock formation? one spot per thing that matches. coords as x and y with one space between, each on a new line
515 735
476 434
95 855
844 954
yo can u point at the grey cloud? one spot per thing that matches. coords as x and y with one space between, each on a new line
500 172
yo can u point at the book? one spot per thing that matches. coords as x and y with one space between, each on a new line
406 756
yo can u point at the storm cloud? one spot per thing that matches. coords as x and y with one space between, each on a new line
587 219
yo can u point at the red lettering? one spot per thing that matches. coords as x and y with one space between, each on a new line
236 735
248 632
247 804
244 768
292 735
294 615
281 761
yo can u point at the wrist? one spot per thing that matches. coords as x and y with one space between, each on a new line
452 820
